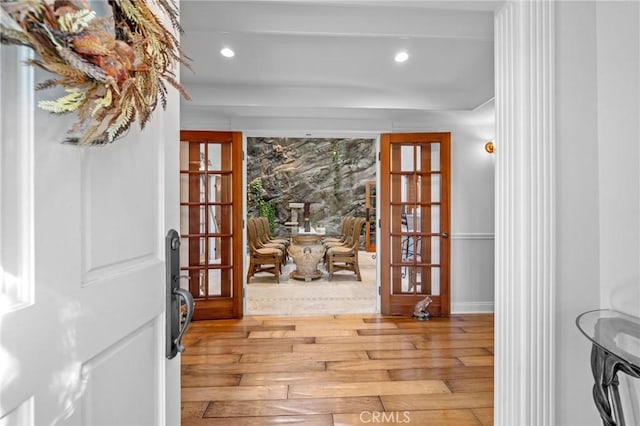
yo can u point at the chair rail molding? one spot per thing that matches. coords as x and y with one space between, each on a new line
525 244
472 236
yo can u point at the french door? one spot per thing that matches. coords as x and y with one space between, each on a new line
414 196
211 221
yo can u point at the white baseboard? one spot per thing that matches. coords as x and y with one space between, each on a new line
472 308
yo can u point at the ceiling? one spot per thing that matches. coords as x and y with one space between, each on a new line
334 60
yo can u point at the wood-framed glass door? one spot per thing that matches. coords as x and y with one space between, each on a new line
414 234
211 221
370 205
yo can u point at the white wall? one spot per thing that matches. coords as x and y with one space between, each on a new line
472 183
618 64
598 168
618 47
472 220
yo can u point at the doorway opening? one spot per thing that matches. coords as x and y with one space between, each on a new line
307 186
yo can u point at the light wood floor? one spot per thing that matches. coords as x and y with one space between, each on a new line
339 370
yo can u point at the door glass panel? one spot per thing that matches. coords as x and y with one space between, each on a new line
202 218
404 156
414 220
184 221
197 283
398 219
213 219
397 248
411 279
215 188
191 187
398 181
184 187
411 189
214 157
215 251
224 219
435 281
436 178
419 158
435 250
215 287
184 250
197 249
435 157
411 248
221 254
435 219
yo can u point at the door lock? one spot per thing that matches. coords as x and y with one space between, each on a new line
175 297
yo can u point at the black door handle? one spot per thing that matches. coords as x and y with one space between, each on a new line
175 327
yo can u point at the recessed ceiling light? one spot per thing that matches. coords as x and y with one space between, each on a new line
227 53
401 56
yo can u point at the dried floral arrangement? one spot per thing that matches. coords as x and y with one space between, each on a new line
114 69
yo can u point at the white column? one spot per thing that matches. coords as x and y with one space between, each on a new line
525 218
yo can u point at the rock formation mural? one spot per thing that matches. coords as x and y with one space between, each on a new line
329 173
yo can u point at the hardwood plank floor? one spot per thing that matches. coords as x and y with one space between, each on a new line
339 370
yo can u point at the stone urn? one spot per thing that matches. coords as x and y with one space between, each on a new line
306 258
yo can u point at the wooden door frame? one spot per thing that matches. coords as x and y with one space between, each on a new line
369 246
442 304
226 307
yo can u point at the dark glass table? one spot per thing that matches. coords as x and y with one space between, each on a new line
615 347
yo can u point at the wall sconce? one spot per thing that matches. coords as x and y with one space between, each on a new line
489 147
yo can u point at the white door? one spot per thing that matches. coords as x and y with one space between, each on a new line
83 272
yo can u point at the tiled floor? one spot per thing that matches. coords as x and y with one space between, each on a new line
343 294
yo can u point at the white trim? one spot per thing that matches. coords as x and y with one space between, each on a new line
378 215
245 239
17 286
472 307
525 214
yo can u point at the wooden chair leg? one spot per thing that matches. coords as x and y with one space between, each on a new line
330 267
250 270
356 268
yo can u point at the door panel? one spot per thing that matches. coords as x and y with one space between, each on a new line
415 222
211 221
82 260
